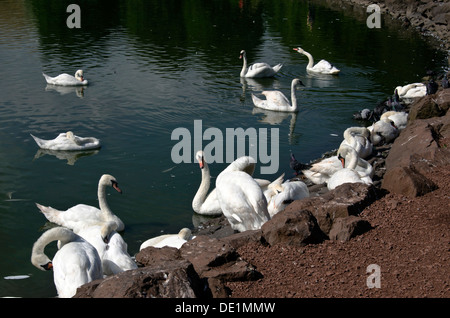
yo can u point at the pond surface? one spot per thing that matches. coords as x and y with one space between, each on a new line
158 66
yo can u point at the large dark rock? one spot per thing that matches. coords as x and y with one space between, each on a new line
170 279
347 199
292 228
344 229
408 182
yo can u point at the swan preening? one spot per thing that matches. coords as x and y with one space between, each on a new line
322 67
257 70
82 215
277 101
68 142
279 196
412 90
66 79
171 240
76 262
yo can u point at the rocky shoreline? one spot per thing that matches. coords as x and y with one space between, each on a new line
320 246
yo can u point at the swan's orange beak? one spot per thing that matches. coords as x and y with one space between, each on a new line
343 162
295 49
201 164
116 186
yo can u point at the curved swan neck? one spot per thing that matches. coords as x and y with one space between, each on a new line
310 59
202 191
38 257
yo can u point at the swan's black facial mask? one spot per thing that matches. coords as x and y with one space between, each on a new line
115 185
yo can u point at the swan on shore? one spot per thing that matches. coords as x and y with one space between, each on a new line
277 101
66 79
383 131
75 263
68 142
400 119
110 246
280 196
359 139
322 67
241 198
257 70
81 215
412 90
171 240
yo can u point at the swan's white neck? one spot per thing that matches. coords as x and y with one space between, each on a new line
104 207
310 60
244 65
293 97
38 258
202 191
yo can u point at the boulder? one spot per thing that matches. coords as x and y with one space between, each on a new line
292 227
171 279
344 229
347 199
407 181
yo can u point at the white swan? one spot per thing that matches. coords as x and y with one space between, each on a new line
208 204
323 67
320 172
68 142
412 90
110 246
257 69
171 240
383 131
277 101
346 175
82 215
278 198
400 119
74 264
66 79
359 139
240 197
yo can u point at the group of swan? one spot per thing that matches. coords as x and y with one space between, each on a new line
276 100
89 229
246 202
66 79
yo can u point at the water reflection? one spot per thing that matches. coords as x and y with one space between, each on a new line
64 90
70 156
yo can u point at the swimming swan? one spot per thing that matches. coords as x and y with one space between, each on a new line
277 101
323 67
257 69
240 197
110 246
82 215
66 79
171 240
76 262
68 142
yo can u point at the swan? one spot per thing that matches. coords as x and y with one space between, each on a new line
240 197
172 240
110 246
323 67
277 101
81 215
68 142
359 139
346 175
66 79
279 198
412 90
400 119
76 262
383 131
208 204
320 172
257 69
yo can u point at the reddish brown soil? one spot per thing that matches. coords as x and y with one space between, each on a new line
409 243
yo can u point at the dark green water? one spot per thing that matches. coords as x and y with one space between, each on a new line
157 66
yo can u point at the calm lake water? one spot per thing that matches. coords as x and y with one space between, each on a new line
155 66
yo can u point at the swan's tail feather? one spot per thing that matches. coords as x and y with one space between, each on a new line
257 101
48 79
50 213
277 67
38 141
